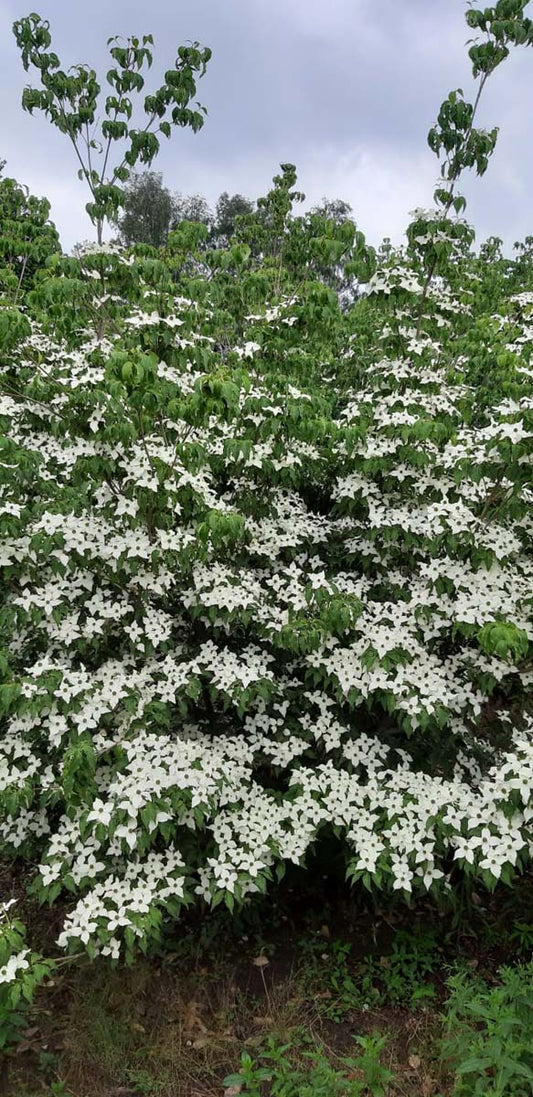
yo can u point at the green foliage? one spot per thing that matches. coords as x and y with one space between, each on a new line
21 973
403 974
276 1074
14 327
504 640
489 1042
399 977
27 239
71 101
323 245
456 140
346 984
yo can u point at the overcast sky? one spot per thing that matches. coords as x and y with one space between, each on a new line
344 89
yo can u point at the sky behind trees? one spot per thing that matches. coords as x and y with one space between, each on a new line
344 89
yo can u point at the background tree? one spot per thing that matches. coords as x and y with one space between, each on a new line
228 208
191 207
147 211
335 209
151 211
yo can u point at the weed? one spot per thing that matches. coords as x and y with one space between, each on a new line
489 1042
343 985
400 978
145 1082
522 936
403 974
277 1074
376 1076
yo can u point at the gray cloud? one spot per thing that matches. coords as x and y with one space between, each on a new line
345 89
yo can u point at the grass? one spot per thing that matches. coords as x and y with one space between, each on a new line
334 982
175 1036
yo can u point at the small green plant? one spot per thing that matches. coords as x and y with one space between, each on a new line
489 1041
404 974
400 978
349 986
250 1077
376 1076
522 936
48 1073
282 1076
145 1083
348 991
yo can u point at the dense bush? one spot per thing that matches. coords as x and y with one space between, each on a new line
236 615
267 568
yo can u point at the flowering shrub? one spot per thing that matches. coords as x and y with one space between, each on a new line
267 563
238 613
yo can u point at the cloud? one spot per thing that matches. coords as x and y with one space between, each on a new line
381 186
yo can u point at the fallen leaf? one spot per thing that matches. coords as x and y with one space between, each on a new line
233 1091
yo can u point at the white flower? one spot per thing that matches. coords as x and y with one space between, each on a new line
17 962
